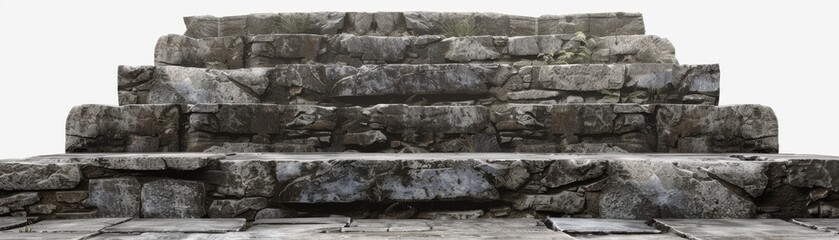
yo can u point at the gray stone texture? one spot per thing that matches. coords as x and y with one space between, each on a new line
581 128
605 185
278 49
740 229
412 23
137 128
178 225
426 84
167 198
115 197
16 176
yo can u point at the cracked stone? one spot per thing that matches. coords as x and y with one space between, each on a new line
168 198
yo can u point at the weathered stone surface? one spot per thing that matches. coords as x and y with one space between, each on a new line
749 128
451 215
535 45
581 78
365 138
247 178
580 128
167 198
179 225
229 208
115 197
135 128
562 173
633 48
74 225
497 184
415 79
20 200
42 209
438 119
564 202
740 229
272 50
303 127
339 182
201 26
646 189
822 224
468 49
601 226
583 119
71 196
416 23
426 84
272 213
439 184
24 176
11 222
277 49
47 236
376 49
595 24
224 52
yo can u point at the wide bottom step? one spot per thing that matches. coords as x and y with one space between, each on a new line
346 228
428 186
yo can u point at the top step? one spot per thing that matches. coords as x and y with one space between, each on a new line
414 23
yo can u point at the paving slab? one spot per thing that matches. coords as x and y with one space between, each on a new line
71 225
387 225
312 220
823 224
600 226
629 237
11 222
45 236
161 236
216 225
724 229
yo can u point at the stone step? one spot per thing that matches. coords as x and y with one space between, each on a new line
274 49
423 84
436 186
404 128
414 23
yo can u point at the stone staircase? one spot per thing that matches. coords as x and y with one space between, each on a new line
419 115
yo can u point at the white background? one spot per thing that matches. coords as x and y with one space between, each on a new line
57 54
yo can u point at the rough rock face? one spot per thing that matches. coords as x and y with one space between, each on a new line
582 128
23 177
277 49
444 186
138 128
596 24
115 197
698 129
423 84
412 23
173 199
669 190
224 53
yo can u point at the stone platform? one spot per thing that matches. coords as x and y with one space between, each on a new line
430 186
337 227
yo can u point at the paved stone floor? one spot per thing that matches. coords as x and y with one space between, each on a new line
346 228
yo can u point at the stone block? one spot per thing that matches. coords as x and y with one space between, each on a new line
167 198
221 52
115 197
